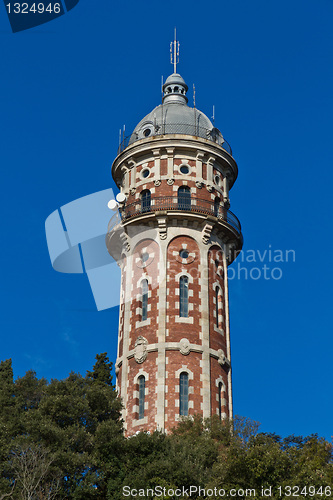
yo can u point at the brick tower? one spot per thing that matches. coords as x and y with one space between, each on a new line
174 241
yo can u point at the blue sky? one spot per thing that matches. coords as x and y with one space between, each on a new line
68 86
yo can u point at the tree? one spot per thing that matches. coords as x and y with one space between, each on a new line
31 466
64 439
59 421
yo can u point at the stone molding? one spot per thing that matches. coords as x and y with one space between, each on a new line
175 346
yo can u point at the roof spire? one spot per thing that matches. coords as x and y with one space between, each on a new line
174 53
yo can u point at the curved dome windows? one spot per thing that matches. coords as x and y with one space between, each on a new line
146 130
184 254
217 202
184 169
217 180
145 173
184 198
144 257
145 200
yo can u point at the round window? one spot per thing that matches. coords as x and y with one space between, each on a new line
146 132
145 173
184 169
145 257
183 254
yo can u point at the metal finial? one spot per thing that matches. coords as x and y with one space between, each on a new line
174 53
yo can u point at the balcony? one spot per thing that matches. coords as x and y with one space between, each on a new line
179 204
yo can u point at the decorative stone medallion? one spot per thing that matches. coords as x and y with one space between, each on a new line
140 349
199 184
157 182
170 181
132 191
184 346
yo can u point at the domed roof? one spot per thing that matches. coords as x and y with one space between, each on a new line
174 116
175 78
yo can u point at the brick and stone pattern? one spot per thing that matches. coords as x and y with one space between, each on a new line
165 344
176 364
217 319
188 327
144 270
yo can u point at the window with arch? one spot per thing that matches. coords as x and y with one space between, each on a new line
184 198
220 388
144 300
183 394
142 384
145 200
218 307
183 297
216 206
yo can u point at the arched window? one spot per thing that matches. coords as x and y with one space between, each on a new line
216 206
141 381
145 200
217 290
218 307
144 300
183 297
184 198
220 399
183 394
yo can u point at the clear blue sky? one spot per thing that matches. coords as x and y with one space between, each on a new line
66 89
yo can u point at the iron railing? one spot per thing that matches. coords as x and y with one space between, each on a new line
166 203
151 131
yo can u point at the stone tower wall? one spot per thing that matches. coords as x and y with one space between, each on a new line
165 344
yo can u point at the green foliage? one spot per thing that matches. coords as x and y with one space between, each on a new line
62 419
64 440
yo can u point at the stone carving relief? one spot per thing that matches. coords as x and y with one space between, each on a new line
157 182
132 191
162 227
184 346
206 232
222 357
170 181
140 349
223 360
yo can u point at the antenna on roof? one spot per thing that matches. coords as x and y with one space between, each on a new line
162 88
213 117
193 95
174 53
